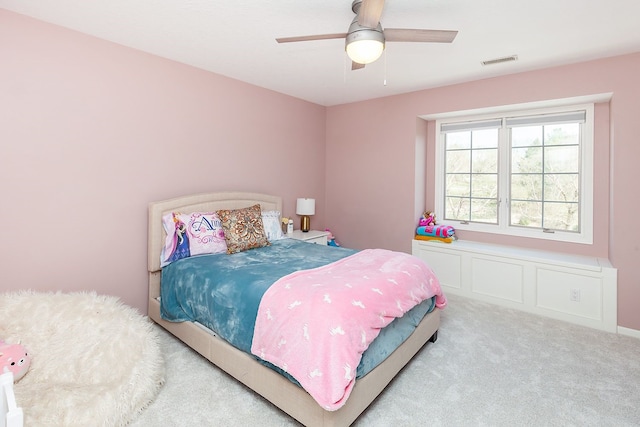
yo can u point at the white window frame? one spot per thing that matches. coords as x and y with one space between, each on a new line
585 236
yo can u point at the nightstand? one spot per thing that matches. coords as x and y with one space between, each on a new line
311 236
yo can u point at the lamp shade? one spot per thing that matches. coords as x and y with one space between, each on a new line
364 45
365 51
306 206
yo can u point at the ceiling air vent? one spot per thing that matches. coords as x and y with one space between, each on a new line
500 60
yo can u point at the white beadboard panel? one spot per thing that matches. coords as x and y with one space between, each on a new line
446 266
555 289
497 278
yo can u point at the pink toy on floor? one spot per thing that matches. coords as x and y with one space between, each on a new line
15 359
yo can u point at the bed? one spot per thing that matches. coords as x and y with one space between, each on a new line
264 380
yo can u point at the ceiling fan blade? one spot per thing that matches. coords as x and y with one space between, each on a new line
410 35
311 38
356 66
370 12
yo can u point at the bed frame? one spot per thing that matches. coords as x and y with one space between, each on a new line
274 387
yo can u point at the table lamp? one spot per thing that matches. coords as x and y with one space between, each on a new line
305 207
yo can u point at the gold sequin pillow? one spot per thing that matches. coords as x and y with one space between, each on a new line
243 229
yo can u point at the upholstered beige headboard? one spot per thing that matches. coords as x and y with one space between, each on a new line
205 202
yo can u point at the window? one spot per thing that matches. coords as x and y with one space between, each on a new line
471 171
527 173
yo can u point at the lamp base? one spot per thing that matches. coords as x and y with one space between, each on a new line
305 223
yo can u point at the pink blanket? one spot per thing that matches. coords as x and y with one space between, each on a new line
315 324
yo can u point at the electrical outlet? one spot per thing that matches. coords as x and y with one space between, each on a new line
574 295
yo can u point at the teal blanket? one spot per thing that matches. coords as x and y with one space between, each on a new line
223 293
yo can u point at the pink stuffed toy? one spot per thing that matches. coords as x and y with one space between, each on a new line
331 240
428 218
14 359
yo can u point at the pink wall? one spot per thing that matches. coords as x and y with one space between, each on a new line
371 156
91 132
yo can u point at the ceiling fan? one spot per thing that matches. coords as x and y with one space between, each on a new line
365 40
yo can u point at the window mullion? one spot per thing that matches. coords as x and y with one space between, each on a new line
504 177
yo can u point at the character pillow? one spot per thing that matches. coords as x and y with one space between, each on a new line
191 234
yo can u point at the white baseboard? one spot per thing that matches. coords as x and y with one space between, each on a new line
577 289
629 332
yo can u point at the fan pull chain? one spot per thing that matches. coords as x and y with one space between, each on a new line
344 69
385 68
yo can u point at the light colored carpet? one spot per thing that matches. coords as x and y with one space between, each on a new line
491 366
94 360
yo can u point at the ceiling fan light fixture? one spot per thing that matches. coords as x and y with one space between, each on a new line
365 39
365 51
364 45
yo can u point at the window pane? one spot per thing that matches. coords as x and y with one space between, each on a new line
486 138
526 136
484 186
458 185
471 169
564 134
526 160
458 140
561 188
562 159
457 209
526 187
458 161
484 210
484 161
526 214
561 216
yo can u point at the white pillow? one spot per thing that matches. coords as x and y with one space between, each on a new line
272 225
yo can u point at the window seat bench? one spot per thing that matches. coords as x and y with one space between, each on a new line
577 289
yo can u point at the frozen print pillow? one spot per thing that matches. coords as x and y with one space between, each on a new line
191 234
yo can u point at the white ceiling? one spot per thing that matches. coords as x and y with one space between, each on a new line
235 38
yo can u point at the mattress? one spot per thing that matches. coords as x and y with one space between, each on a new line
223 293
